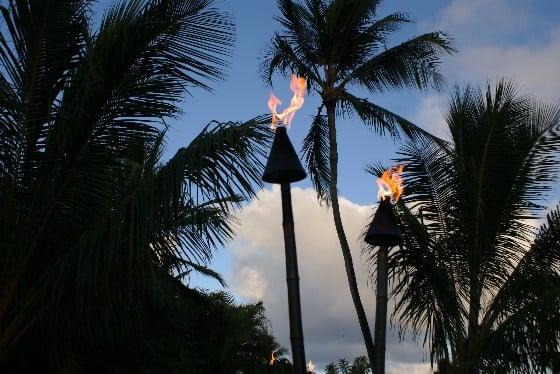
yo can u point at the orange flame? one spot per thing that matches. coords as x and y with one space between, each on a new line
391 183
310 367
272 358
298 85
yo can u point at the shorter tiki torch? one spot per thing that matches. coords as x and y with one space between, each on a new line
384 232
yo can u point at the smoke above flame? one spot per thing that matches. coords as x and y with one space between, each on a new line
391 183
298 85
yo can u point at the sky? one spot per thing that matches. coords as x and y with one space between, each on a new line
495 38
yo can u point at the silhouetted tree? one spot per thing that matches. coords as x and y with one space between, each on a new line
95 229
474 275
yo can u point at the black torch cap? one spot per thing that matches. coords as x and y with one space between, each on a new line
384 229
283 165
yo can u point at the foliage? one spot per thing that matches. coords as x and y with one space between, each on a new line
331 369
360 365
96 229
228 338
474 275
187 332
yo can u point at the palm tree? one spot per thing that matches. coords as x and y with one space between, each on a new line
338 45
474 274
93 222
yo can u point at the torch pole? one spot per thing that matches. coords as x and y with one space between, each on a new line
381 309
292 278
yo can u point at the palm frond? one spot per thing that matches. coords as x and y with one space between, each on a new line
315 151
131 74
375 36
502 179
281 57
299 28
204 271
226 158
381 120
196 189
430 185
411 64
41 44
525 303
344 22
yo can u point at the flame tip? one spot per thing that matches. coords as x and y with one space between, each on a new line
298 85
391 183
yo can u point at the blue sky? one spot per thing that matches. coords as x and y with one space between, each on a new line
243 95
515 38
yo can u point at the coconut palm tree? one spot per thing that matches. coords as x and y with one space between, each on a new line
93 222
340 45
475 276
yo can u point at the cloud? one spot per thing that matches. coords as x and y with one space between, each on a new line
399 368
485 19
535 68
331 329
495 39
501 38
430 115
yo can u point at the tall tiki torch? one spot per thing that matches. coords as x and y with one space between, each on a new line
283 167
384 232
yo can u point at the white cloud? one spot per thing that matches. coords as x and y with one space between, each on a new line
430 115
254 285
485 19
535 68
399 368
494 39
331 329
497 38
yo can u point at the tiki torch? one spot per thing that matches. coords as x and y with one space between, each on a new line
283 167
310 367
272 364
385 233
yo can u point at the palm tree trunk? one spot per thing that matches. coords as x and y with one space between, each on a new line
470 360
346 254
467 359
381 310
470 356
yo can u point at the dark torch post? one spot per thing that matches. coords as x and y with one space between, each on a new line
283 167
383 232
